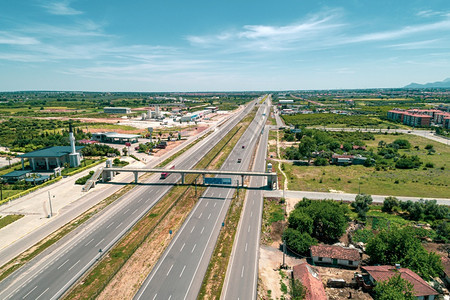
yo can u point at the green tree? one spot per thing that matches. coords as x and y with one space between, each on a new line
300 221
395 288
361 205
306 147
297 241
329 218
297 290
401 245
389 203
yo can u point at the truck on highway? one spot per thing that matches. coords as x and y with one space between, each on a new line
165 174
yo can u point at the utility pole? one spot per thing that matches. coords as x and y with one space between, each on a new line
50 203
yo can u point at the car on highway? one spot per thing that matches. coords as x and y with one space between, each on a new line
243 146
239 160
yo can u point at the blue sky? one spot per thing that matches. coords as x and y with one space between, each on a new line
207 45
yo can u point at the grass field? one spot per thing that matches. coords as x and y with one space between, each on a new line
422 182
112 127
6 220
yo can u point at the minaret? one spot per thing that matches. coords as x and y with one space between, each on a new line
74 156
72 139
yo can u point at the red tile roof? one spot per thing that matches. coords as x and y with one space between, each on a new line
311 280
336 252
382 273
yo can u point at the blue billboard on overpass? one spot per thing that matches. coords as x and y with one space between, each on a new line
215 180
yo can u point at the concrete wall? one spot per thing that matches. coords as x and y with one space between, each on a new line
341 262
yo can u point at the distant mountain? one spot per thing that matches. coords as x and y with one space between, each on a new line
438 84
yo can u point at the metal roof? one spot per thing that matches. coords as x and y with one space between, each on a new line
16 173
117 135
56 151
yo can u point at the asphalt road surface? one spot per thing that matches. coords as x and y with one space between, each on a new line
51 273
180 271
242 274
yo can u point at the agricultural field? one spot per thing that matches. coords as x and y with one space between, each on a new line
429 180
325 120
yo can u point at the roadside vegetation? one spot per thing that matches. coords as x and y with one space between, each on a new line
391 233
6 220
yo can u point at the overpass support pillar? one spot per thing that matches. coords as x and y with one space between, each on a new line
203 178
242 180
182 178
136 175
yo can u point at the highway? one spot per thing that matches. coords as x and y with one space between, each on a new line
52 272
242 273
180 271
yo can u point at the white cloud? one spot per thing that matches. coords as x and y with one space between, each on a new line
270 37
61 8
435 43
13 39
400 33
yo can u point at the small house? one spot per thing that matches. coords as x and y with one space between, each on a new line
422 290
310 279
335 255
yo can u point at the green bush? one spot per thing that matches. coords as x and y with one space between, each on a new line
297 241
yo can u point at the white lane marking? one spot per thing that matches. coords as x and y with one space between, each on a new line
119 225
253 201
209 216
63 264
215 204
192 251
246 244
206 204
134 211
202 230
251 214
170 297
139 200
88 242
74 265
182 271
192 229
109 225
99 242
200 215
146 200
29 292
242 272
126 211
155 296
42 293
169 270
248 228
182 247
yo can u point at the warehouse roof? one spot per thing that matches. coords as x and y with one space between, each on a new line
56 151
117 135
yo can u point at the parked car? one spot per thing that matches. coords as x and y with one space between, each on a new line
239 160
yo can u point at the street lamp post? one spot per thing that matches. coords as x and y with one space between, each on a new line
50 203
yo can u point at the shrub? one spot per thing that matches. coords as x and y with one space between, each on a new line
320 161
389 203
429 165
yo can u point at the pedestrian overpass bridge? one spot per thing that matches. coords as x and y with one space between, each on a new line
108 174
